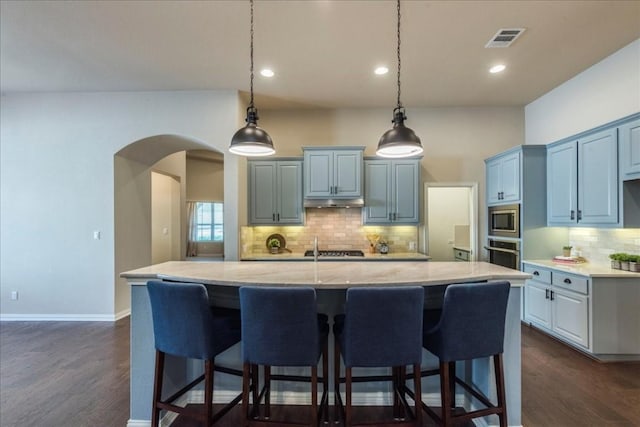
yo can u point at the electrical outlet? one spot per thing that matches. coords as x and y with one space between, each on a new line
412 246
14 295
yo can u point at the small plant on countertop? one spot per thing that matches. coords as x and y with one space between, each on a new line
566 251
274 245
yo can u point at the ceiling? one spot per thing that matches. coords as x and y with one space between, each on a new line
323 52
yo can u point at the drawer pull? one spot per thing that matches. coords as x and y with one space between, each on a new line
536 273
551 295
546 294
567 281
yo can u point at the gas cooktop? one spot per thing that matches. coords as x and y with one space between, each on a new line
336 253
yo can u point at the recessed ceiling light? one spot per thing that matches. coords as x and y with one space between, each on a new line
267 72
497 68
381 70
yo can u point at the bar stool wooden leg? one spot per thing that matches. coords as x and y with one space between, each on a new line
499 372
314 396
336 380
445 390
452 383
208 391
325 379
246 374
348 414
417 388
267 391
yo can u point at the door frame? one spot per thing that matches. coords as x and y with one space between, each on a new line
473 215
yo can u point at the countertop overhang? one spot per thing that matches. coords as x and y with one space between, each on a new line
326 275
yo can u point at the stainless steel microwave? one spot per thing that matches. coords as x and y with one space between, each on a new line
504 221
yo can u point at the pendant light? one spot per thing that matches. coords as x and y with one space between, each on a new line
399 141
251 140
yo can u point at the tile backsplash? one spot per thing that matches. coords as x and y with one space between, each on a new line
336 228
595 244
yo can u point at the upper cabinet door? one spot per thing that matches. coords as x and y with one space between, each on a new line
318 173
377 191
347 173
511 178
289 195
598 178
503 179
332 173
630 150
562 180
406 194
262 192
494 174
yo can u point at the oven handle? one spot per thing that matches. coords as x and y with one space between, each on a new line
509 251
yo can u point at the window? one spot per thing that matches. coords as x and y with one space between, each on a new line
209 222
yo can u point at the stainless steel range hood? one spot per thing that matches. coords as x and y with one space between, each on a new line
334 203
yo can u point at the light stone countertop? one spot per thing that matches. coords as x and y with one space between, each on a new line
585 269
297 256
326 275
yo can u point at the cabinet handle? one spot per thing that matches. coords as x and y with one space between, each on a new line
335 189
567 281
273 217
546 294
579 214
535 273
389 216
394 216
551 295
278 217
573 214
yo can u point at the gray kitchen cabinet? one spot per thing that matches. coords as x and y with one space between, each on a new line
333 173
391 191
503 179
582 180
629 135
275 192
553 307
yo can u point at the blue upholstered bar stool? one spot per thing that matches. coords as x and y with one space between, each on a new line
281 327
470 326
184 325
381 327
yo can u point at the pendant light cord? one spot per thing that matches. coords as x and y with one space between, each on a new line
399 103
251 53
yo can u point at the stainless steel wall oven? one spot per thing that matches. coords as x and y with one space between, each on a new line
504 252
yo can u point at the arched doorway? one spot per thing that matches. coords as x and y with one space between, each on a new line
134 169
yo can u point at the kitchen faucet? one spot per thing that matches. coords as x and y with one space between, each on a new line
315 248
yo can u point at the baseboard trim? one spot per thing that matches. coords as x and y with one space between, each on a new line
64 317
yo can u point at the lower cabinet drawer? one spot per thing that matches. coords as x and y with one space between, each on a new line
571 282
539 274
461 255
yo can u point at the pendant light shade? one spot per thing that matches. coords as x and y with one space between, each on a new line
251 140
399 141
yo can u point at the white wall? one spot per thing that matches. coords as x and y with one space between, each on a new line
57 188
607 91
165 218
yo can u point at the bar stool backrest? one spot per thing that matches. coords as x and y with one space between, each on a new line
472 322
182 321
279 326
383 326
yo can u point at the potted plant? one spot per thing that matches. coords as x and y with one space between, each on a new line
566 251
615 260
634 263
624 261
274 245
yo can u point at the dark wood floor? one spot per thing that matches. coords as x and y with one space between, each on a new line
77 374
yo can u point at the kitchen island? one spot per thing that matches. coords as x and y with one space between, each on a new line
330 279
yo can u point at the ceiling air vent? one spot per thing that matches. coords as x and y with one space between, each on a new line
504 37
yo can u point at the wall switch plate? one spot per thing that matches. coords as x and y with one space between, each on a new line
96 235
14 295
